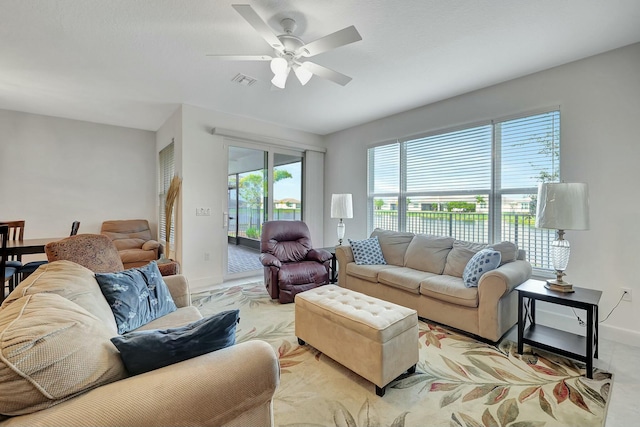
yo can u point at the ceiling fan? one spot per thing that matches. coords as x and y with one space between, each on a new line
289 51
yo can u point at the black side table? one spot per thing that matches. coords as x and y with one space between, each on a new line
333 274
565 343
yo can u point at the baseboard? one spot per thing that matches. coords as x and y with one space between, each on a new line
570 323
196 285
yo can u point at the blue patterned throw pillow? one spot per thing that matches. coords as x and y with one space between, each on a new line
367 251
144 351
482 262
136 296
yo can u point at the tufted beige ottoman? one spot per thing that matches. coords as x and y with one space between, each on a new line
377 340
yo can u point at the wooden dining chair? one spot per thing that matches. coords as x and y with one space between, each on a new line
75 225
16 232
30 267
6 273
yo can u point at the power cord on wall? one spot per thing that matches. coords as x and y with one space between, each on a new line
582 323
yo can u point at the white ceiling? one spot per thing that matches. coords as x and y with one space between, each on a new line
132 62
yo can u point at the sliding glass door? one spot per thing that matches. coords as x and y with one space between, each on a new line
262 185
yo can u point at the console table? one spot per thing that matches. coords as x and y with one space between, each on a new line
551 339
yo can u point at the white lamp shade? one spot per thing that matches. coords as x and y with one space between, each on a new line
279 65
563 206
302 74
280 79
341 206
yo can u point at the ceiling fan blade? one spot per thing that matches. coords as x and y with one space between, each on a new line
242 57
326 73
332 41
250 15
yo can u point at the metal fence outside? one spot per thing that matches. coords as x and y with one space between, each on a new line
471 226
250 220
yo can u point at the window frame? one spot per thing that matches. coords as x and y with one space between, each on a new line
166 171
495 193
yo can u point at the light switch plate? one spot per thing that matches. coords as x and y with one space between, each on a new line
203 211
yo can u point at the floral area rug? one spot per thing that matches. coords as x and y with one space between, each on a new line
458 382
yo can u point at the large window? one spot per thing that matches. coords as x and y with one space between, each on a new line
478 183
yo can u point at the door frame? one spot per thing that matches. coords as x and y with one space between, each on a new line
268 202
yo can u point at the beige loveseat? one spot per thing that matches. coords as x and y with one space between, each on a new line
59 368
424 272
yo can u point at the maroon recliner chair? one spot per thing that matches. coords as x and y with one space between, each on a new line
291 265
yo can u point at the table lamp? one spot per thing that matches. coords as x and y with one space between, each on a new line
341 207
562 206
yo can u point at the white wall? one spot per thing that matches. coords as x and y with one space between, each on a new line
54 171
599 99
203 166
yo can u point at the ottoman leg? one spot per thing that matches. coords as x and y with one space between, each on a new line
380 391
301 342
412 370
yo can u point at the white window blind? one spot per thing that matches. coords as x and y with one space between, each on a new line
450 162
167 170
384 186
478 183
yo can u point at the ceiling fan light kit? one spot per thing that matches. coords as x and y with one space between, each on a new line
289 50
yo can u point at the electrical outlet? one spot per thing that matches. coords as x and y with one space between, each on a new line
207 256
626 294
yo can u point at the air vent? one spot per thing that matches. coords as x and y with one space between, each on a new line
243 80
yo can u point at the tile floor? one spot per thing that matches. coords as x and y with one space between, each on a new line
622 360
242 259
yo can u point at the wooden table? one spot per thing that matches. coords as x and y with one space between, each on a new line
29 246
552 339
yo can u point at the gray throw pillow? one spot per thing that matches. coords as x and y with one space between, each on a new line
136 296
144 351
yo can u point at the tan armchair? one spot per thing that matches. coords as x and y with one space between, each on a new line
133 240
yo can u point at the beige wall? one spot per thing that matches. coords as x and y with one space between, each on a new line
54 171
202 163
599 99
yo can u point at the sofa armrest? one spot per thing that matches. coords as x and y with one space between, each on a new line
344 255
179 289
319 255
496 301
150 245
509 275
210 390
269 260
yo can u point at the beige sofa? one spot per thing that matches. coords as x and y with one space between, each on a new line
58 367
425 273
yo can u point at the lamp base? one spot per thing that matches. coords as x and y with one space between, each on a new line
559 286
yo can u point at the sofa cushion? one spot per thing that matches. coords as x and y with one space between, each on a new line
459 257
393 244
367 251
71 281
50 350
405 278
144 351
450 289
136 296
367 272
508 251
428 253
482 262
137 255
